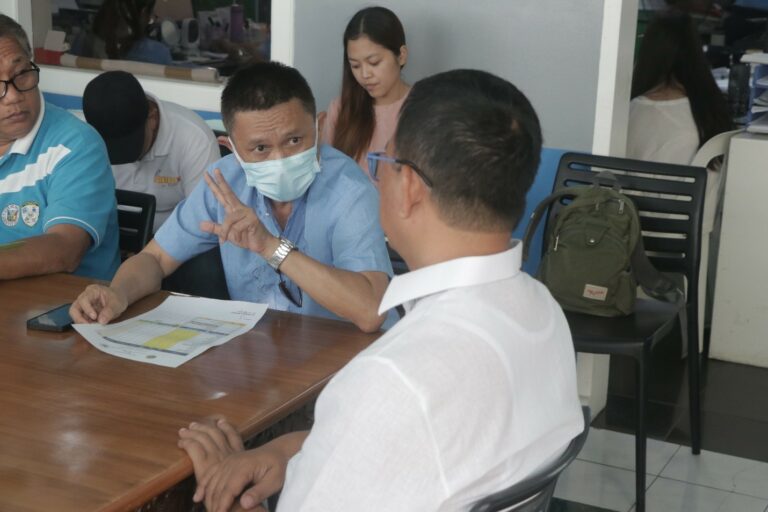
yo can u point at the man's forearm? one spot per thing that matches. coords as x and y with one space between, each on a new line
290 444
351 295
139 276
43 254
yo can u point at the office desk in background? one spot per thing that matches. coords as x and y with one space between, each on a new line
82 431
739 320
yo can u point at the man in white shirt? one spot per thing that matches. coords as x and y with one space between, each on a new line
156 147
475 388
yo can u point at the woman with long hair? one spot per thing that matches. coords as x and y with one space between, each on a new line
122 27
364 117
676 104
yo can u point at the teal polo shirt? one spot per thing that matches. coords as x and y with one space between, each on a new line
59 173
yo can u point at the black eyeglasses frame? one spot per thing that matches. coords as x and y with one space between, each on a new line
12 80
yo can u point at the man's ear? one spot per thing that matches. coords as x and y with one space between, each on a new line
154 110
413 190
223 140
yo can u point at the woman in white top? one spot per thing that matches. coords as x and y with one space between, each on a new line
676 105
364 117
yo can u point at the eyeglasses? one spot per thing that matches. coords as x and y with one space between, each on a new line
23 81
379 156
287 291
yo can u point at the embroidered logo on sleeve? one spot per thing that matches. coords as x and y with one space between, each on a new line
30 213
10 215
594 292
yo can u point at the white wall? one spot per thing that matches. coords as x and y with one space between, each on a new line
21 11
615 77
550 49
196 96
619 25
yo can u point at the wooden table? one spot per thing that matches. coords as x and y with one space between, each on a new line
81 430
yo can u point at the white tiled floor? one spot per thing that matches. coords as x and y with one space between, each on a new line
603 476
720 471
612 449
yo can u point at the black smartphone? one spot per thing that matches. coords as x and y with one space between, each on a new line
56 320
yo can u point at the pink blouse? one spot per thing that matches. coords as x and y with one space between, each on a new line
386 122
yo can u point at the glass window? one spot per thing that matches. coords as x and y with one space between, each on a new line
182 33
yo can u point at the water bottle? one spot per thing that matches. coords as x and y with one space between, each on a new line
236 23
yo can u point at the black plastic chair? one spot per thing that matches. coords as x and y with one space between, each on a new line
201 276
670 201
534 493
135 217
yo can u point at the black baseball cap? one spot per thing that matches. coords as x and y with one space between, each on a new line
115 104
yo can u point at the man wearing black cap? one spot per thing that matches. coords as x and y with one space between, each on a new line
156 147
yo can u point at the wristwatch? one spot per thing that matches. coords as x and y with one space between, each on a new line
282 251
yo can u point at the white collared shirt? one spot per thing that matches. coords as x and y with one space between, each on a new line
184 148
472 391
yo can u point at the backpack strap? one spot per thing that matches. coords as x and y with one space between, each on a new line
659 286
607 178
654 283
539 212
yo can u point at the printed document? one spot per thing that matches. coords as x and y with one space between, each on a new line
176 331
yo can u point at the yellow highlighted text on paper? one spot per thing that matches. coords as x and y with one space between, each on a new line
171 338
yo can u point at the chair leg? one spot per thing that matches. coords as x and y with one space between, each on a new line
705 349
694 385
643 366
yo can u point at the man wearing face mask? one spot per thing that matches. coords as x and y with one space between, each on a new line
298 223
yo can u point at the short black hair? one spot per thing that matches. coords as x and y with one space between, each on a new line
261 86
479 140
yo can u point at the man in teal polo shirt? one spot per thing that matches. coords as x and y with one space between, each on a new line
57 193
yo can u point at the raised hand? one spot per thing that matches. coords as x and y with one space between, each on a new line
241 225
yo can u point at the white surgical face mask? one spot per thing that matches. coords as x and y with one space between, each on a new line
285 179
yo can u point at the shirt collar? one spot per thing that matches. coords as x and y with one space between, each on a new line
297 213
21 146
407 288
162 144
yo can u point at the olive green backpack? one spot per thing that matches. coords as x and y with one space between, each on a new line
594 257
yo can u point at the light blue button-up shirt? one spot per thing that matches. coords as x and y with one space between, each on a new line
336 222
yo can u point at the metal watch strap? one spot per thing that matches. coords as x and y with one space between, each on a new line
282 251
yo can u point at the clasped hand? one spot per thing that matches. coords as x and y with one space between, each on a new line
225 471
241 225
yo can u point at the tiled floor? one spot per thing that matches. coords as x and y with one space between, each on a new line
734 403
603 476
731 473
